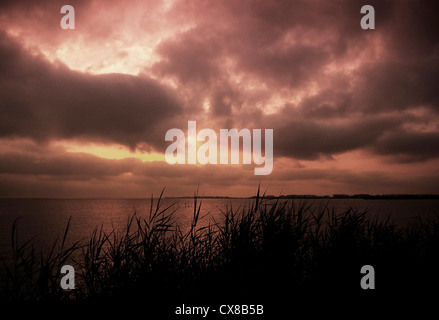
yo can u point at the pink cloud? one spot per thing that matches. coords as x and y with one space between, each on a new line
128 73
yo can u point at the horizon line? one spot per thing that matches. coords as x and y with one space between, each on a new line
284 196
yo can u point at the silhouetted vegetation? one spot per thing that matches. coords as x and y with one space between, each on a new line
275 251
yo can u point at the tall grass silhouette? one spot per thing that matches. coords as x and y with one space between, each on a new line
272 250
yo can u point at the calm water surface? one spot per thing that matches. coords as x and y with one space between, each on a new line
45 219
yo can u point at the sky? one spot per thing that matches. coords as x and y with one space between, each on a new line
84 112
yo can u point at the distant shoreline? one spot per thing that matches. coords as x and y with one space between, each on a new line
290 196
361 196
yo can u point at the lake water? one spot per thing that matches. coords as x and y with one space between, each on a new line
45 219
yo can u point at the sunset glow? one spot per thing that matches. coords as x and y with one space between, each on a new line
353 110
111 152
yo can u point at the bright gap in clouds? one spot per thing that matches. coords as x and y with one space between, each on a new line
110 151
107 39
129 60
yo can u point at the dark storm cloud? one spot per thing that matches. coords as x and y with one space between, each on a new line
308 139
192 57
286 46
47 101
78 166
413 29
408 146
284 42
398 85
304 68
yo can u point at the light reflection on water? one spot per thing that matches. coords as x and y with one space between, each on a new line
45 219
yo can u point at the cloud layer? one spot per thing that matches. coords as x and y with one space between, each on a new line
336 96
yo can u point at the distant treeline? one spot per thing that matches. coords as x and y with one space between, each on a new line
355 196
334 196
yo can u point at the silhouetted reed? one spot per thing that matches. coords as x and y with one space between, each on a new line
271 250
